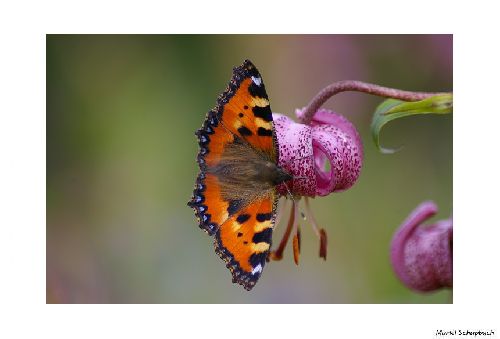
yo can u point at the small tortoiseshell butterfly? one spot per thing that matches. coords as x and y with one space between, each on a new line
235 194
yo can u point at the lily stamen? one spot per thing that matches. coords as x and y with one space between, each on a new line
278 253
320 232
296 246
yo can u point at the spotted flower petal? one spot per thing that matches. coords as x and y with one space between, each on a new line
295 155
422 256
304 151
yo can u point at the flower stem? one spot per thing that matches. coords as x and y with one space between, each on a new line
359 86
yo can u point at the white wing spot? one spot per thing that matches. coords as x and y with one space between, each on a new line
257 81
257 269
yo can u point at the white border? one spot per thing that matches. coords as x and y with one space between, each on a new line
22 139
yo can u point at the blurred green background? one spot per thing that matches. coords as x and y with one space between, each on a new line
121 116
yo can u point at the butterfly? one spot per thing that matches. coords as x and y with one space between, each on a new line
235 196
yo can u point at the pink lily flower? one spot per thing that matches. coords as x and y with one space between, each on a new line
422 257
304 151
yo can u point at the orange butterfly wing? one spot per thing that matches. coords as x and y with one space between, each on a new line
244 240
242 113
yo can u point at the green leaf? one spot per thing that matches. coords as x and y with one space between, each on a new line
392 109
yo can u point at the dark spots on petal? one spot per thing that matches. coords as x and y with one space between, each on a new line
242 218
261 217
264 132
245 242
244 131
240 234
263 113
234 206
245 107
264 236
240 115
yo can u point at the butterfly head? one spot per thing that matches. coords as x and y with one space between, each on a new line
271 173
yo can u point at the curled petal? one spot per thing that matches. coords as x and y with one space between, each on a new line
332 144
335 139
305 150
422 256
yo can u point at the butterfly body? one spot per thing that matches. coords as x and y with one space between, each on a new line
248 174
235 193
